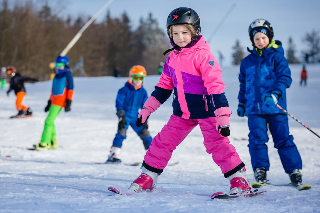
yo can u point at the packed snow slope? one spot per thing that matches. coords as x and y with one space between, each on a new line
69 180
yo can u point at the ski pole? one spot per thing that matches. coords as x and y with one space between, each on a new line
297 120
79 34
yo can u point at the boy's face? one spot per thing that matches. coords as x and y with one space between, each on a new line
181 35
137 83
137 80
60 66
260 40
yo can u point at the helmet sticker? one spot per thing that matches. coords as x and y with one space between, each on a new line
175 17
261 30
254 32
264 31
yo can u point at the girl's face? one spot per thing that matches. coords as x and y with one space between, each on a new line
260 40
181 35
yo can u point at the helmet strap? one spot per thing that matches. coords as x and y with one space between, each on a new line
175 47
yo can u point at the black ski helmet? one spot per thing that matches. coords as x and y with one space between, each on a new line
261 23
184 15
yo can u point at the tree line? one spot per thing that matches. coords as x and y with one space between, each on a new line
30 39
310 55
32 36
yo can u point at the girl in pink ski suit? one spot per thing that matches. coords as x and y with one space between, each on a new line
195 76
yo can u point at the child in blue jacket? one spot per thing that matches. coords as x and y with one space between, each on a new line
264 77
129 100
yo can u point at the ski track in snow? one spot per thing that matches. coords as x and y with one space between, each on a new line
69 180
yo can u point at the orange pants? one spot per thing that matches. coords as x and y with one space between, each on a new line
19 105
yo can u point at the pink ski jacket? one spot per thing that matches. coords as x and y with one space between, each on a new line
195 76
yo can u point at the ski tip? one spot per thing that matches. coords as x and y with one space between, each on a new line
256 185
133 164
174 163
112 189
33 148
304 187
109 163
20 116
217 194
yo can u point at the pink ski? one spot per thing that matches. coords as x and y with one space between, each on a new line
116 191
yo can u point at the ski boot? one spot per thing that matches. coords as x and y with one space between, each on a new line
146 181
42 146
54 143
296 180
239 183
113 156
296 177
260 174
28 111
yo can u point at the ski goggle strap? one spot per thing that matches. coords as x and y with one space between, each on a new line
137 78
60 64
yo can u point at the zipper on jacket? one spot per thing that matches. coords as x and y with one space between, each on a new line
212 101
205 101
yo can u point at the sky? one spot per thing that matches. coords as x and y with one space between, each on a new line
290 18
74 178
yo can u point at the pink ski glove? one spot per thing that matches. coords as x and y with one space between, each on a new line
151 105
223 120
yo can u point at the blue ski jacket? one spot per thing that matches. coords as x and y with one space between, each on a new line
131 100
262 74
62 88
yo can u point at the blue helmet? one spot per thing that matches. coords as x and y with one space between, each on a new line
62 59
65 61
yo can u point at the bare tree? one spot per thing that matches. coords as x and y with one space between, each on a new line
238 54
291 58
312 53
31 38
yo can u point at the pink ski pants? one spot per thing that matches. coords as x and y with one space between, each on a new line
177 129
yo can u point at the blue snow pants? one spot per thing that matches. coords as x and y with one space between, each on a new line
142 132
279 129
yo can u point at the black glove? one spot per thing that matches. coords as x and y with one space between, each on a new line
8 93
122 122
67 107
139 122
225 131
122 119
34 80
46 109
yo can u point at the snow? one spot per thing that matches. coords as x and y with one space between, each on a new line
69 180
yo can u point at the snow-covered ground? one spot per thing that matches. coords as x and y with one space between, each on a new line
69 180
